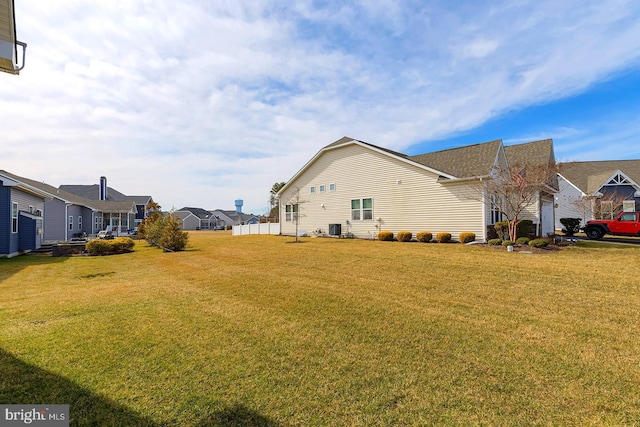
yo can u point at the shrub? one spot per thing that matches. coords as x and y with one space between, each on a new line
385 236
110 247
405 236
467 236
502 229
539 243
523 228
571 225
443 237
424 236
173 238
494 242
523 241
506 243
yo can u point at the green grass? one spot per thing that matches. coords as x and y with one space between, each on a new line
254 330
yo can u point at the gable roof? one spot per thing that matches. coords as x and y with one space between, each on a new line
531 153
589 177
200 213
23 184
469 161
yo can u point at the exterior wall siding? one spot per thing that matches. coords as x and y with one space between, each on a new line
405 197
54 220
567 203
5 219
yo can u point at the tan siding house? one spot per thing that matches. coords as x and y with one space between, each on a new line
354 187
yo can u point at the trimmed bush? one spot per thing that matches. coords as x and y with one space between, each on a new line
443 237
571 225
523 241
110 247
467 236
494 242
424 236
405 236
539 243
385 236
502 229
507 243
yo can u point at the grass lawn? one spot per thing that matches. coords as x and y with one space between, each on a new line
255 330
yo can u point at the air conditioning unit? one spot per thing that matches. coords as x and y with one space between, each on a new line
335 229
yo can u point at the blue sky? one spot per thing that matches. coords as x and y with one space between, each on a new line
198 103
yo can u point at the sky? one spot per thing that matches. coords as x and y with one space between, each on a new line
199 103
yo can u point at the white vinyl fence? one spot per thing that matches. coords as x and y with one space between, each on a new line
268 228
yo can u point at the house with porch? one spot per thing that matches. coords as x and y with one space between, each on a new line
355 187
21 216
597 189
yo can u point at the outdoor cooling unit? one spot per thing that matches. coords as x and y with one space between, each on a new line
335 229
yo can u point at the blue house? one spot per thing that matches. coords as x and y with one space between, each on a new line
21 216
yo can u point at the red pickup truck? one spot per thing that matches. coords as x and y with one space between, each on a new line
625 224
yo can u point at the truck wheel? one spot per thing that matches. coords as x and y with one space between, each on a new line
594 233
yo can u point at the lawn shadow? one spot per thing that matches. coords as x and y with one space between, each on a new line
237 415
23 383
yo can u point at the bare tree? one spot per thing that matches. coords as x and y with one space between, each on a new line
600 206
511 191
295 202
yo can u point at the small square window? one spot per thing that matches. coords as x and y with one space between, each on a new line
312 190
332 187
322 187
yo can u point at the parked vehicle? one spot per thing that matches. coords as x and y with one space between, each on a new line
625 224
105 234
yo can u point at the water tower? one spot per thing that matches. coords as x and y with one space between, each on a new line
239 204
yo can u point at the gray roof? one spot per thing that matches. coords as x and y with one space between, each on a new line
92 192
464 162
200 213
53 191
590 176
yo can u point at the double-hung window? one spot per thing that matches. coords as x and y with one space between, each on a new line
291 213
361 209
70 223
79 223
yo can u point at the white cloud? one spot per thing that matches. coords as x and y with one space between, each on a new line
199 103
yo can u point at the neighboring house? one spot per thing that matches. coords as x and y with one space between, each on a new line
597 189
351 186
196 218
21 216
114 210
233 217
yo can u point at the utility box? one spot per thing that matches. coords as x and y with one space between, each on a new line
335 229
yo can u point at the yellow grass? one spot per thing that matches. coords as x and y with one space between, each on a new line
258 330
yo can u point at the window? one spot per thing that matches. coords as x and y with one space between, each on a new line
98 225
628 217
361 209
313 190
606 210
79 223
291 213
332 187
70 223
14 217
629 205
496 214
322 188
